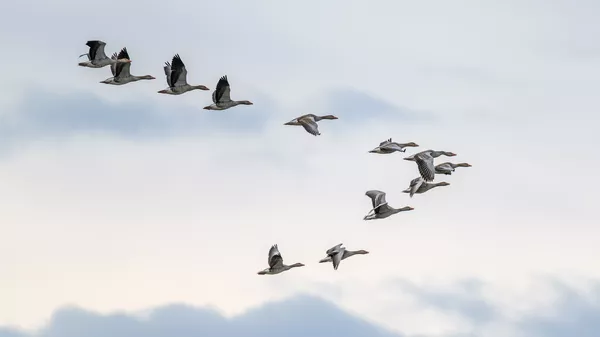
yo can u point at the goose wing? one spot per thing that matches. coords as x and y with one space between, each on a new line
113 66
275 259
309 125
392 146
444 168
122 69
425 164
167 69
178 72
221 93
334 249
387 141
96 49
337 257
378 200
415 184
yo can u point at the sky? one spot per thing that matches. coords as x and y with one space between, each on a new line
143 214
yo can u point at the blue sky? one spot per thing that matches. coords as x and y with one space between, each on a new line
119 200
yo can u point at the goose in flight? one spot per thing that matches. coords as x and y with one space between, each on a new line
97 58
432 153
418 186
448 168
338 253
121 73
381 209
387 147
276 265
177 78
221 99
309 122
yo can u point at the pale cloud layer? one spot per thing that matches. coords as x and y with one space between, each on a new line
571 312
117 198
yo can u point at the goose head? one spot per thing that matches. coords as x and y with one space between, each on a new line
244 102
362 252
329 117
411 144
200 87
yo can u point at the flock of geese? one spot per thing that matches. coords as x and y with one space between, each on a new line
176 76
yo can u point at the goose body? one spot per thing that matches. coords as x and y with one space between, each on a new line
221 97
309 122
276 265
419 186
97 57
387 147
381 209
448 168
338 253
120 71
432 153
176 74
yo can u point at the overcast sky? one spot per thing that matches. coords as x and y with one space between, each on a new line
118 199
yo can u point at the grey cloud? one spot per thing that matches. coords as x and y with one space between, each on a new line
7 332
42 115
576 314
356 106
465 299
297 317
45 114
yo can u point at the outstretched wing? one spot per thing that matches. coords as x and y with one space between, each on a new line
310 125
122 69
96 49
425 164
221 93
378 200
178 72
415 184
334 249
113 66
167 69
337 258
275 259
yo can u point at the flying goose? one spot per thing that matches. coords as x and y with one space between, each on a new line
448 168
276 265
338 253
418 186
221 97
387 147
96 56
177 78
381 209
121 73
309 122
